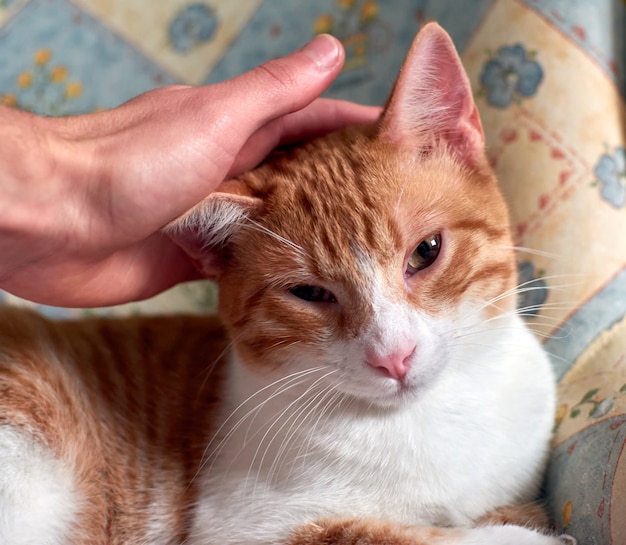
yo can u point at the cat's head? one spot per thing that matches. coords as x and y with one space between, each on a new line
368 252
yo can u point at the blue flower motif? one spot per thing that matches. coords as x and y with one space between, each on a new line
534 291
510 75
611 172
193 25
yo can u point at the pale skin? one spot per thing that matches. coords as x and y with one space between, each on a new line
83 199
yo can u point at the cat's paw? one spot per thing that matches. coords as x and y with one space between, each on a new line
368 532
364 532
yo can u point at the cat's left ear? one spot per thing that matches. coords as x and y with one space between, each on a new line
432 99
205 230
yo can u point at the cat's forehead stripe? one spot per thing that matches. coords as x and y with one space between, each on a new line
337 205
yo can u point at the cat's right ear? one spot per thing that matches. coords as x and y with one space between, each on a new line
204 231
432 102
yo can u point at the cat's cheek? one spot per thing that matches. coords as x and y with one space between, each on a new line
281 336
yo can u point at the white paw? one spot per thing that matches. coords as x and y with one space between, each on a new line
512 535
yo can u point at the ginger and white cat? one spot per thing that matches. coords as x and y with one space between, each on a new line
371 383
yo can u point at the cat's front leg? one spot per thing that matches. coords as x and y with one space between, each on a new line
367 532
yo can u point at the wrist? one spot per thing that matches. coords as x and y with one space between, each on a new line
37 169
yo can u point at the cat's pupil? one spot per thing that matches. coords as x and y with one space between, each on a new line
425 254
313 294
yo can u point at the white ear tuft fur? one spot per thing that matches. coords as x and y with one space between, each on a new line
213 221
204 231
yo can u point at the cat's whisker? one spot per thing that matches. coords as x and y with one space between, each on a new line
332 404
539 311
284 343
538 320
277 418
561 305
526 287
263 229
530 311
249 435
533 251
208 370
476 329
307 408
211 452
542 334
530 284
291 381
337 400
299 418
399 201
554 356
293 417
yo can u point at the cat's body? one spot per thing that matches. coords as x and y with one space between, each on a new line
374 382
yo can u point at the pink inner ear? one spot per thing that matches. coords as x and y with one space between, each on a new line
432 98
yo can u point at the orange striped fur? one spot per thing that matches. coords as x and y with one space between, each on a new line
128 404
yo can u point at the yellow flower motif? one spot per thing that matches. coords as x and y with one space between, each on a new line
58 74
323 24
369 11
567 513
345 4
9 100
42 56
561 413
74 89
25 79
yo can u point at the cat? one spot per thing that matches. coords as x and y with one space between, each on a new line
368 381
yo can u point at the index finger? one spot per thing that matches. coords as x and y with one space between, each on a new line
318 118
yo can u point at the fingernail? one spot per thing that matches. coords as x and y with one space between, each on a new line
323 50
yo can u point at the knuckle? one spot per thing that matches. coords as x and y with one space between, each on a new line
277 77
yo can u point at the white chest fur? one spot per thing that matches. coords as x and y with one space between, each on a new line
476 440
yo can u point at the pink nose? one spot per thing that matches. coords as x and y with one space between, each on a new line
395 364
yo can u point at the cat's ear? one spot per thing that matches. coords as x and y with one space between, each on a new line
204 231
432 99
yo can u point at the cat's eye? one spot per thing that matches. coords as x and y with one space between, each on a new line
313 294
425 254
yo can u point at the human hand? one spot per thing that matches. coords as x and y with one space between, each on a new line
83 199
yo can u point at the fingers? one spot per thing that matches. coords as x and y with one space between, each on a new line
323 116
284 85
320 117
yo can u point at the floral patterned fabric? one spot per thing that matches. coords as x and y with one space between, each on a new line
549 79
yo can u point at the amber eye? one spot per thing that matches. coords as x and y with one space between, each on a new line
313 294
425 254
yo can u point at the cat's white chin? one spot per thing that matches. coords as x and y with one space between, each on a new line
400 397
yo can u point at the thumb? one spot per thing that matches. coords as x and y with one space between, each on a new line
285 85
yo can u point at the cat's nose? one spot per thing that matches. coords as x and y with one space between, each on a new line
394 364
